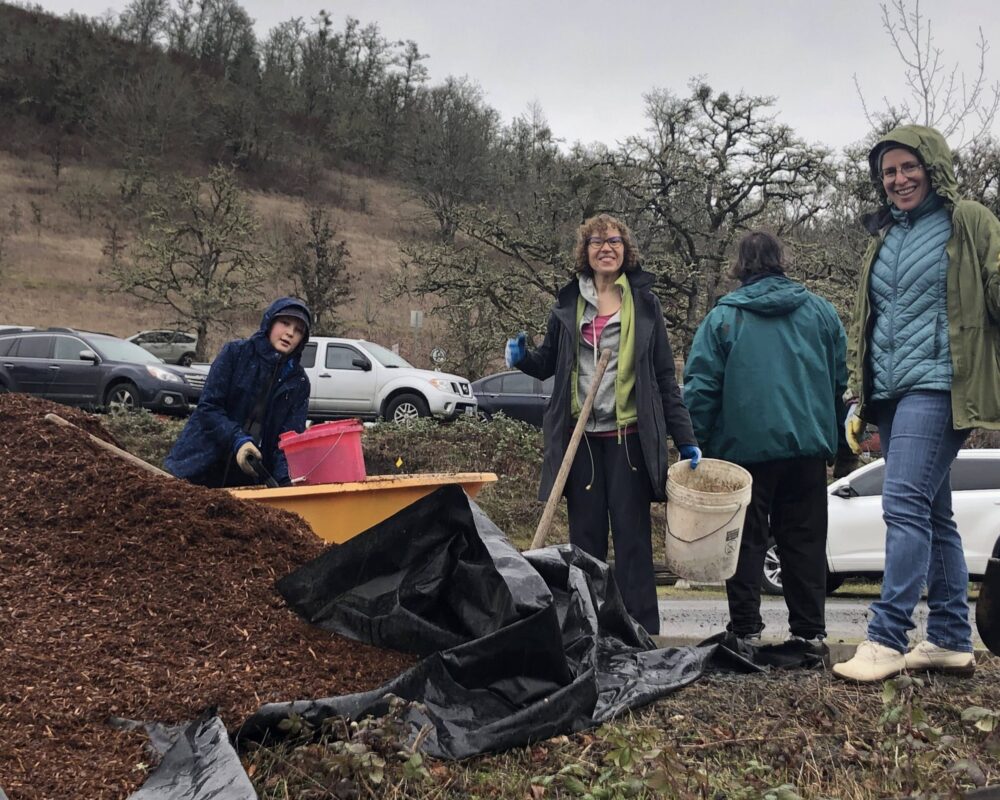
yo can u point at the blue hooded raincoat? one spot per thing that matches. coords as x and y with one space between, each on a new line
205 451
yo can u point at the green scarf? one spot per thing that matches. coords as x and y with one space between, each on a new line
626 412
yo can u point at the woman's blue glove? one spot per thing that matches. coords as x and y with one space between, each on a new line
516 350
691 452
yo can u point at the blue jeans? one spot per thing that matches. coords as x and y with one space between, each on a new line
922 544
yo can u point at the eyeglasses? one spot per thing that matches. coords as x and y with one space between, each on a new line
909 170
597 242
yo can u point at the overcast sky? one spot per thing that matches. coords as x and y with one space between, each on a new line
589 63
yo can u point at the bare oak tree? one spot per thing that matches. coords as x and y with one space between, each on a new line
197 254
712 166
941 96
317 263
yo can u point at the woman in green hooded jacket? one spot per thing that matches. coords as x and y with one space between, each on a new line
924 361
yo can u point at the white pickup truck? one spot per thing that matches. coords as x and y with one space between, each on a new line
355 378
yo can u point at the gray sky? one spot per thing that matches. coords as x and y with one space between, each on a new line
589 63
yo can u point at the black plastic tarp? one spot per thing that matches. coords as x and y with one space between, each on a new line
199 763
518 646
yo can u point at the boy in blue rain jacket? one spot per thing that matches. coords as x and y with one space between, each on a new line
256 390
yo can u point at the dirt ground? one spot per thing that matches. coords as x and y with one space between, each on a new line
124 594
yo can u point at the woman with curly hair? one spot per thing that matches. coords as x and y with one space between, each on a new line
621 465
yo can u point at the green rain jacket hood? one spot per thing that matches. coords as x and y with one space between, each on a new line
973 286
935 155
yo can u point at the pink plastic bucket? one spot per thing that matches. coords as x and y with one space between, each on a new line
326 453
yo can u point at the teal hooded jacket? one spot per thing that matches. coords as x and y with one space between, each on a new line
766 373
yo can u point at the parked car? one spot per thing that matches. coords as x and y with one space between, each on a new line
855 545
174 347
93 370
517 395
355 378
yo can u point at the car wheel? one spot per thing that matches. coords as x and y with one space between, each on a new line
771 578
186 360
484 416
834 581
122 398
406 408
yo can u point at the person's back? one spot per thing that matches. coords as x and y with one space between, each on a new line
763 385
776 394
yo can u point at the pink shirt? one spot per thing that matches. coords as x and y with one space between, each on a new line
592 330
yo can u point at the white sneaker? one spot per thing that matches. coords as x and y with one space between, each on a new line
931 658
871 662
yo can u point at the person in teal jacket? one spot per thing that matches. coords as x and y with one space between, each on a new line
763 384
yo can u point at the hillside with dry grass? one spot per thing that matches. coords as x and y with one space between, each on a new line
55 232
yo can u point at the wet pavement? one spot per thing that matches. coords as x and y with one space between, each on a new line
688 621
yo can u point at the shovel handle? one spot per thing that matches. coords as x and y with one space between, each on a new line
258 466
574 442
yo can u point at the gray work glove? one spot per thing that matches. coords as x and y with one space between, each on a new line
247 450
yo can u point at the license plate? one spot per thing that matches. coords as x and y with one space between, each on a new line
470 411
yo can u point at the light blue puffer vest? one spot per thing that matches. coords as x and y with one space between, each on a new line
909 341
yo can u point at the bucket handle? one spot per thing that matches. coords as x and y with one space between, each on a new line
329 450
727 509
722 509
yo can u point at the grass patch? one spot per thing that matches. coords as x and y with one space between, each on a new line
778 736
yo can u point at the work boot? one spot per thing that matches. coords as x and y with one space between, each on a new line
813 647
927 657
871 662
744 644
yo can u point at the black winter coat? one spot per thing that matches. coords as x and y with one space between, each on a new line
658 399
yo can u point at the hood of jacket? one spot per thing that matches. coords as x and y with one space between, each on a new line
282 306
935 154
773 296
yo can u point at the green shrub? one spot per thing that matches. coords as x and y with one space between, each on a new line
507 447
144 434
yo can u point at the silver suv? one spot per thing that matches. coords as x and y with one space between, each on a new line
355 378
174 347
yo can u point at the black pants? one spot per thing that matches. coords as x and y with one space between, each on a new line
789 501
608 482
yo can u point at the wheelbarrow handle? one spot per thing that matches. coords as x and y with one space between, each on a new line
574 441
258 466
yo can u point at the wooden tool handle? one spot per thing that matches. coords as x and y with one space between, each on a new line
574 441
134 460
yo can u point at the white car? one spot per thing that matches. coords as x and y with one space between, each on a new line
356 378
855 544
174 347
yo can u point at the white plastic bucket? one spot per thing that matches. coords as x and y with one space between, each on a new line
705 512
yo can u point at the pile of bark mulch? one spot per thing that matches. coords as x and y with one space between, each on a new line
125 594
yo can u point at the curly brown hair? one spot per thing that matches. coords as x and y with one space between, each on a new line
597 226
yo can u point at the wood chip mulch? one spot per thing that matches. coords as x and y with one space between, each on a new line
124 594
